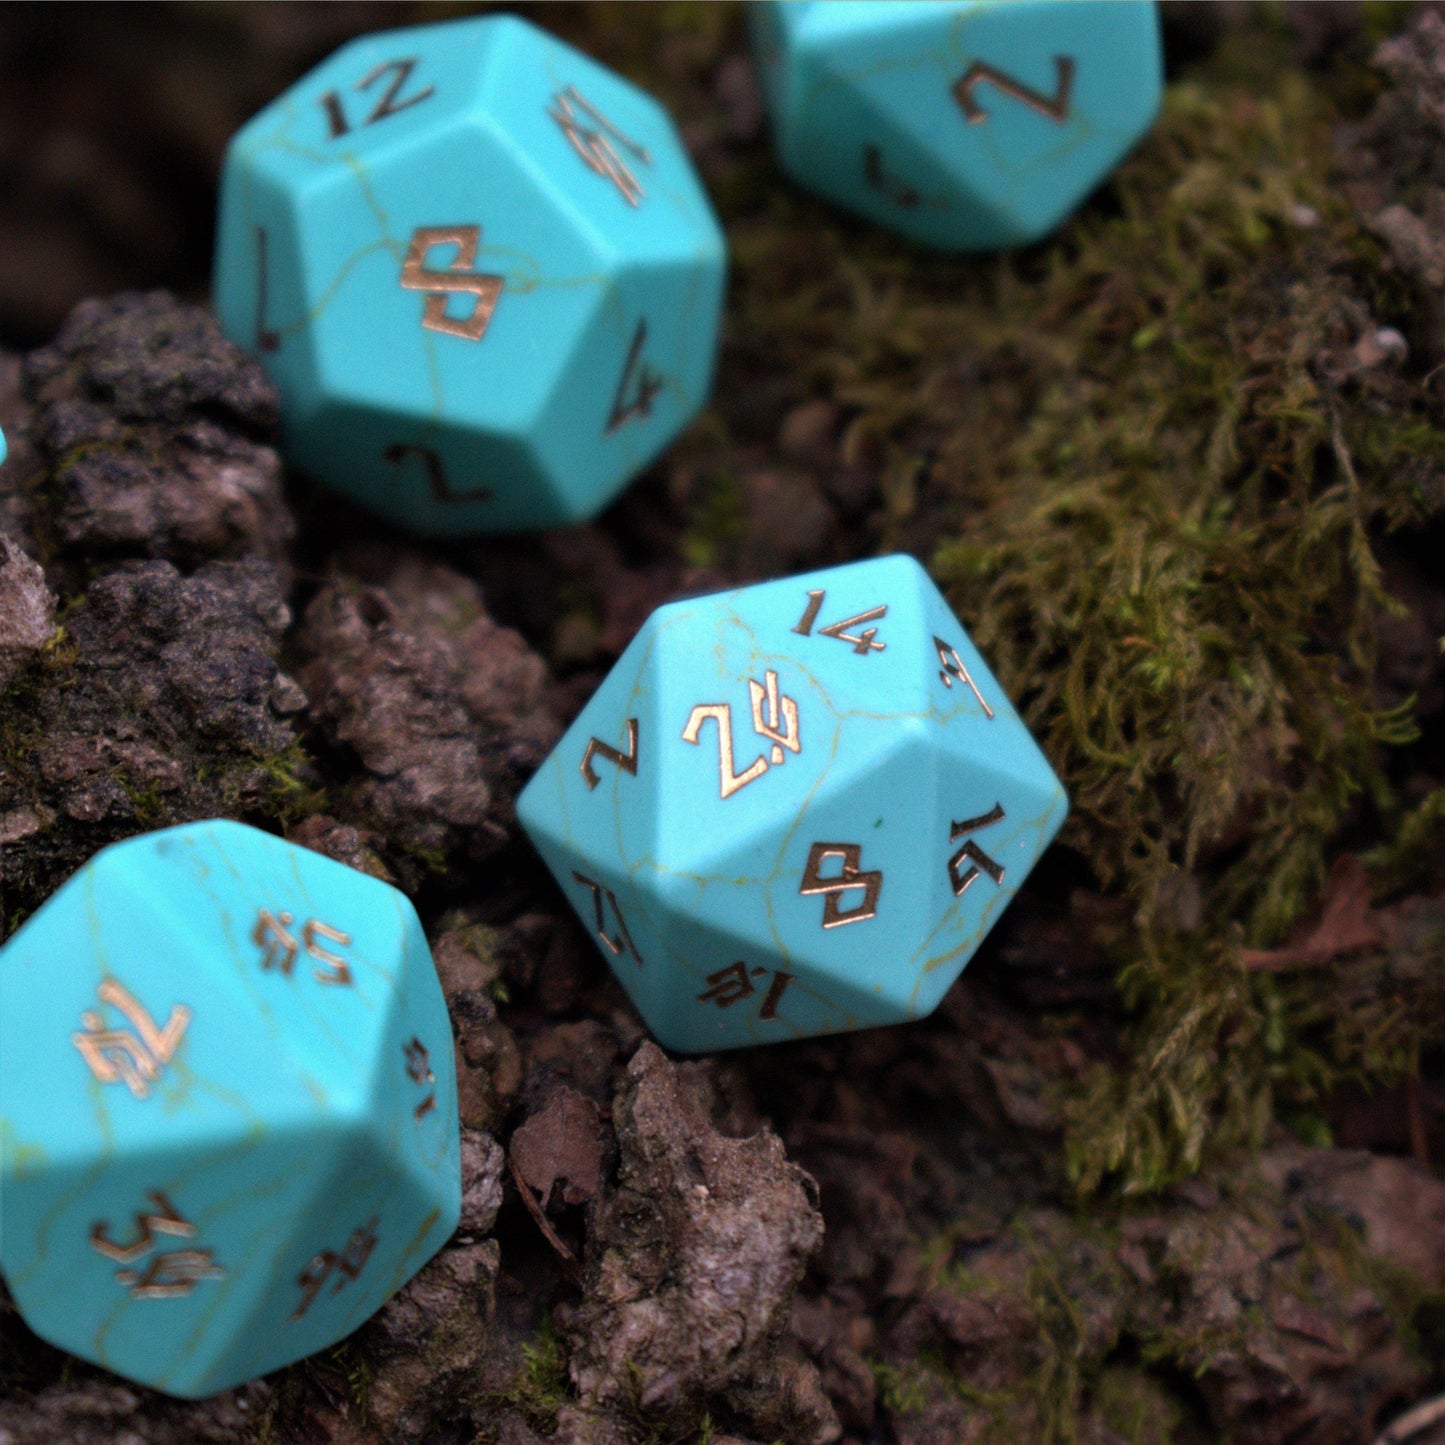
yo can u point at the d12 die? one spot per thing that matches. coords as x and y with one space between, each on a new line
479 267
228 1126
794 809
968 126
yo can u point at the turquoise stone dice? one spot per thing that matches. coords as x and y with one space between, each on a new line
481 270
228 1119
968 126
794 809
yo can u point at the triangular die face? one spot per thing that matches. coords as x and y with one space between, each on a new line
767 692
833 895
995 818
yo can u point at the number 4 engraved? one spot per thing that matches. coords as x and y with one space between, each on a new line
862 644
626 762
953 668
639 379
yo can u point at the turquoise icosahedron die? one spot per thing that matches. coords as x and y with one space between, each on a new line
964 124
228 1118
481 270
794 809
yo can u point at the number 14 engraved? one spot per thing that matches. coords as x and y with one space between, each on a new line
862 644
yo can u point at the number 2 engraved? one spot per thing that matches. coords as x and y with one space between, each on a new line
638 378
330 103
626 762
458 278
977 858
863 644
1054 107
953 668
436 477
722 714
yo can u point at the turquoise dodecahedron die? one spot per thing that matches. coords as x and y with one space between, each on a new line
964 124
794 809
228 1117
481 270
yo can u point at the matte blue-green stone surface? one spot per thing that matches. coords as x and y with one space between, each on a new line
964 124
272 1172
889 765
570 201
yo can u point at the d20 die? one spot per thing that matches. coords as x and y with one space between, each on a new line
481 270
228 1126
967 126
794 809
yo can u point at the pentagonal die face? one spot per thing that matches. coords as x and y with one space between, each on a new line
966 126
227 1107
480 269
794 809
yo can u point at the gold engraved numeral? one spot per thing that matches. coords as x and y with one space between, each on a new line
436 479
267 337
596 748
863 644
977 858
336 967
639 379
166 1219
419 1071
595 144
1054 107
758 692
722 714
457 279
623 939
348 1265
119 1056
273 933
849 878
953 668
167 1276
732 984
335 113
875 175
780 726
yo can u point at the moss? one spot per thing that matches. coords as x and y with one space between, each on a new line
1156 499
539 1388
